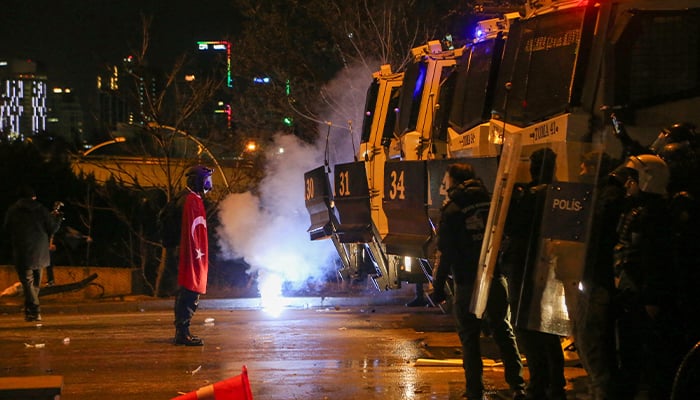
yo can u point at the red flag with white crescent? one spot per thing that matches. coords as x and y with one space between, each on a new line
194 246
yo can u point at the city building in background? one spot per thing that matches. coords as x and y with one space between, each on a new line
212 60
112 105
65 117
123 92
23 93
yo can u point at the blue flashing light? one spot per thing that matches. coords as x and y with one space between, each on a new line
265 79
418 89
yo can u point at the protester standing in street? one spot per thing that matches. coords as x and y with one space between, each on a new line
30 225
460 234
193 264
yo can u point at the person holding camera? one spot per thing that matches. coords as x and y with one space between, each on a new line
30 225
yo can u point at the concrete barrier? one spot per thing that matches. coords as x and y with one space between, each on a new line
46 387
110 282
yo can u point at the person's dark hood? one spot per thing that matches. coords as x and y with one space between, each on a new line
468 192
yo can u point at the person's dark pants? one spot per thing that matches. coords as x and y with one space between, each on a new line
595 341
30 280
545 361
186 302
50 279
649 351
469 331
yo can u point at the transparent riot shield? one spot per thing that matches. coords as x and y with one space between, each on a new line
557 246
538 230
495 222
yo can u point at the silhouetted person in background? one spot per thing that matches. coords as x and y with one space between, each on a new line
30 225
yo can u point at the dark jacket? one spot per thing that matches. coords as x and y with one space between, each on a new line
609 206
461 231
30 225
643 253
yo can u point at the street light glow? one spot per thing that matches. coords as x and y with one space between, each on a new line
118 139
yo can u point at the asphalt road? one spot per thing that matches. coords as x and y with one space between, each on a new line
308 352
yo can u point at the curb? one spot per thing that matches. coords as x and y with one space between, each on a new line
143 303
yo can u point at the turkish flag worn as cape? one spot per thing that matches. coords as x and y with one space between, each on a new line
194 246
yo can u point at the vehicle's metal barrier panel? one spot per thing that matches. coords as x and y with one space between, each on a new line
318 197
352 203
405 191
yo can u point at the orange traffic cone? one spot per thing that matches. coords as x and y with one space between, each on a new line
236 388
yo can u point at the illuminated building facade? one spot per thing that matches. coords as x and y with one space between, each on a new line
23 92
123 92
112 105
65 118
212 60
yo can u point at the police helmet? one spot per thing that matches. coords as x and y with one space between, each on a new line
680 132
679 155
650 171
682 160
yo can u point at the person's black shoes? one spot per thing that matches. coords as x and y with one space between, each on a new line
188 340
32 317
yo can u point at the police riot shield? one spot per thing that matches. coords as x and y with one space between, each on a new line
539 228
500 199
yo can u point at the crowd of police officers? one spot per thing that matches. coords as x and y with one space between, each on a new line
641 281
636 315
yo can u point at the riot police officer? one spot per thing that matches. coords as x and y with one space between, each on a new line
545 358
644 281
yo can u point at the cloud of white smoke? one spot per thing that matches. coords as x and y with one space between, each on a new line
269 230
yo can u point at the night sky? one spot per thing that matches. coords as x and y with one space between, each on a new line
75 39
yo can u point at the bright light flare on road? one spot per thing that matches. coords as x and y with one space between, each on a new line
270 287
